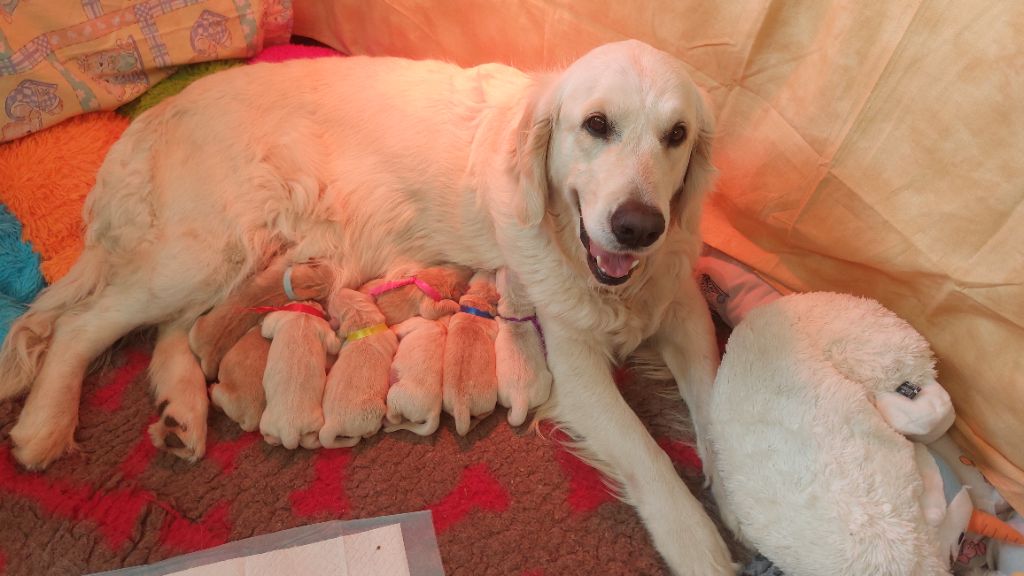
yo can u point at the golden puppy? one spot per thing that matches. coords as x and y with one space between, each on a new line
214 333
414 398
431 293
295 375
470 385
355 399
524 381
238 391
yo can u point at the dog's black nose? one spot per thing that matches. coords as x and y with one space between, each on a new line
637 225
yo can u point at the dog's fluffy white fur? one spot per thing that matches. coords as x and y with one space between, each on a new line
524 381
294 379
807 470
355 400
368 162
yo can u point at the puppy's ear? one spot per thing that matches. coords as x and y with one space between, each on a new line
530 152
700 173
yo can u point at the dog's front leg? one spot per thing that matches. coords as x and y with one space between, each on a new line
686 341
179 390
587 402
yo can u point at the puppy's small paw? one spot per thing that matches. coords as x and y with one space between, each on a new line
333 440
347 432
181 429
279 429
310 440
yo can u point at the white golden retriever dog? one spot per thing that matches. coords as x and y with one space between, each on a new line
587 183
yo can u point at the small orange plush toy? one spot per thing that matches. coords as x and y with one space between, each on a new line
470 385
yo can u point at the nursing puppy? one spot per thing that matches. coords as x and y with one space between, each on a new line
430 292
215 332
355 399
470 383
523 379
414 395
587 183
295 375
238 391
417 306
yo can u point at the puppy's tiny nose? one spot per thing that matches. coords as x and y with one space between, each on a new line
637 225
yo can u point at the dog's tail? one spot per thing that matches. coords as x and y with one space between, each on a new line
25 346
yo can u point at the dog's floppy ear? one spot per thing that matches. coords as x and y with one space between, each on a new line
530 152
700 173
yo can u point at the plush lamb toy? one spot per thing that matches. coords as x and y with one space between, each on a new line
355 400
470 387
524 381
807 469
295 374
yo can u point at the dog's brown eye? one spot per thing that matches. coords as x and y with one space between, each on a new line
677 135
597 125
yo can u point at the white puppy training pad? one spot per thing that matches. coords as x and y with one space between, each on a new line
401 545
377 552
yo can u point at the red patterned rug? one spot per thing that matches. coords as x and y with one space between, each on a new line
505 501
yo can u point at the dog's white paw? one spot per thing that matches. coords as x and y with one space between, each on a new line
181 427
701 551
38 441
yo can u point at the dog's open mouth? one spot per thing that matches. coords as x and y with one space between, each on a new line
609 268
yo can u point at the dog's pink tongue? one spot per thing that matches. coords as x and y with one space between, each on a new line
614 265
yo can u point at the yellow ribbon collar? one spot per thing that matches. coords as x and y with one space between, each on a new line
364 332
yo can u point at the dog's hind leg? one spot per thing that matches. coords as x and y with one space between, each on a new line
179 389
587 403
46 426
25 346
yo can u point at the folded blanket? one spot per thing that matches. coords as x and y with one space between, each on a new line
64 59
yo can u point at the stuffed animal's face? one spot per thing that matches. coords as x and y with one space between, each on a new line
874 348
868 343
